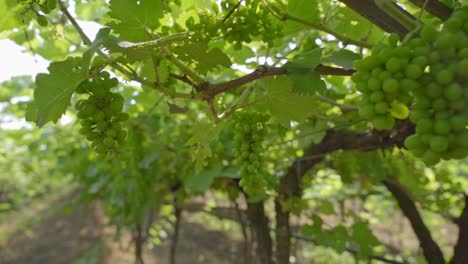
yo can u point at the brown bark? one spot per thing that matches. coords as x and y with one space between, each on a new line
139 244
460 254
369 10
175 236
434 7
259 225
283 235
431 250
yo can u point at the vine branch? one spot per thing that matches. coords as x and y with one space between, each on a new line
265 71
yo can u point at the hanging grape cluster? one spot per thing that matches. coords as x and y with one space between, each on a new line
237 23
40 8
430 74
249 135
101 114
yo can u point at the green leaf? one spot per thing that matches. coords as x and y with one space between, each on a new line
344 58
306 10
285 105
364 238
305 61
100 38
9 9
131 19
336 238
207 58
202 181
54 90
203 134
307 83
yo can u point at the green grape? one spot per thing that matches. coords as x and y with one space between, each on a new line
116 106
393 65
441 127
439 144
52 4
101 114
383 122
367 111
99 91
428 72
373 84
424 125
108 142
462 67
445 40
444 76
434 90
439 104
249 134
431 158
44 8
42 20
85 130
453 92
377 96
399 110
390 86
458 123
92 136
122 117
414 142
381 108
413 71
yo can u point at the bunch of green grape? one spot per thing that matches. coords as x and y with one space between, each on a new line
385 80
427 74
40 8
101 114
249 135
236 23
440 109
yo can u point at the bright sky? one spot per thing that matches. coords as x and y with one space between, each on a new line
15 61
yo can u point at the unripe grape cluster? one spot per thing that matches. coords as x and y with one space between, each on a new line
101 114
428 73
39 7
249 21
249 135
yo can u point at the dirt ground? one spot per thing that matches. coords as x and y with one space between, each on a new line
80 236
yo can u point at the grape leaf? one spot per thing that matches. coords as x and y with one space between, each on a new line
305 61
207 58
306 10
8 9
202 181
335 238
285 105
364 238
131 19
202 135
344 58
307 83
101 37
54 90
